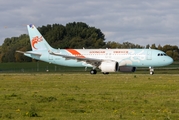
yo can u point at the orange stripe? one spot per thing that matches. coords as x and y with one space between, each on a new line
75 53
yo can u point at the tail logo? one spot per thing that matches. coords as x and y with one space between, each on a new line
36 40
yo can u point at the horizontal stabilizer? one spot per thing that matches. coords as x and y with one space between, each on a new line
29 52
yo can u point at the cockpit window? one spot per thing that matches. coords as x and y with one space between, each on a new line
162 54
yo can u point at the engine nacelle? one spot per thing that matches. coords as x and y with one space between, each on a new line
127 69
109 66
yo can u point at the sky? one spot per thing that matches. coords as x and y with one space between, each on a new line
137 21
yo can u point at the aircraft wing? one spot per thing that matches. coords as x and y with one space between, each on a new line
92 61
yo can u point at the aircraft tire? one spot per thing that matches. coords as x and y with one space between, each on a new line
152 73
93 72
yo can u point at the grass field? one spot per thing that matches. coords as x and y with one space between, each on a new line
91 97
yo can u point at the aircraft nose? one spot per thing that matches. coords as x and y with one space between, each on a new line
169 60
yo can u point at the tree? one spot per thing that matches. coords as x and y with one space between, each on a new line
153 46
172 51
147 46
169 53
10 45
160 47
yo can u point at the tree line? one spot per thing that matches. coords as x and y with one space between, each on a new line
72 35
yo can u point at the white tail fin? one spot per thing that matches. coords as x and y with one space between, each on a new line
37 40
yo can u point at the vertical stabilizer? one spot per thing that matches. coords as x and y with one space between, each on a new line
36 39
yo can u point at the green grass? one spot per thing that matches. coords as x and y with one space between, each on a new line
26 67
90 97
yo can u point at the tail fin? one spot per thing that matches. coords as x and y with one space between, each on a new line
37 40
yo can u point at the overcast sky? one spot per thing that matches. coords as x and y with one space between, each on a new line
137 21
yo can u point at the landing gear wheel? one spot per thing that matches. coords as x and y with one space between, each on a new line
151 70
151 73
93 72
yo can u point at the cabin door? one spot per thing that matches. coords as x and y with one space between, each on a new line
149 55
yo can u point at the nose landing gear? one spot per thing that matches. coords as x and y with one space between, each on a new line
151 69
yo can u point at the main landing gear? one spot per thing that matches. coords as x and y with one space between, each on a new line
93 71
151 69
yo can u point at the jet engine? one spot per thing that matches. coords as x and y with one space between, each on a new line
109 66
127 69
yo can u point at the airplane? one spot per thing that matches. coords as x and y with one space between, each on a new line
107 60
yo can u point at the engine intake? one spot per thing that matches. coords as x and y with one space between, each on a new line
109 66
